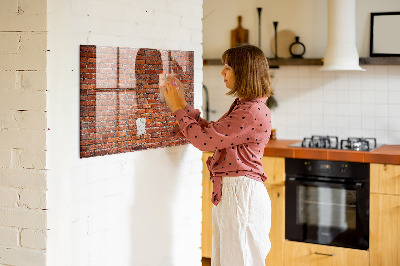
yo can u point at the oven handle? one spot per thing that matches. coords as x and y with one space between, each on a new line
357 185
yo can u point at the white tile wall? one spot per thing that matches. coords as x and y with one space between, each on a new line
340 103
313 102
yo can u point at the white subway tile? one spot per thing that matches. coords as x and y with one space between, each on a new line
382 123
382 110
291 71
328 74
368 110
394 123
304 72
368 123
342 97
394 83
355 96
367 133
382 136
367 97
355 132
303 82
342 122
329 109
342 109
380 71
394 97
381 97
354 81
329 123
394 110
394 137
292 83
355 122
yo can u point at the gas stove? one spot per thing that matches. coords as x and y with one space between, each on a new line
332 142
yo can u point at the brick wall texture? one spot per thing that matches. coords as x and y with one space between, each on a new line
120 105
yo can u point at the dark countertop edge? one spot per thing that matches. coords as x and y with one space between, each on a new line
386 154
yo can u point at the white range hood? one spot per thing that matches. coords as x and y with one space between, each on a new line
341 51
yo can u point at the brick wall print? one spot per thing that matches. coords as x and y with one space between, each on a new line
121 109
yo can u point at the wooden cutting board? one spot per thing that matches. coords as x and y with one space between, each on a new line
239 35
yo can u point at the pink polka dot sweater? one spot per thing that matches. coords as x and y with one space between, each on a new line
238 140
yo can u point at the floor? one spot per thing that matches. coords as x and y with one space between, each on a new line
206 261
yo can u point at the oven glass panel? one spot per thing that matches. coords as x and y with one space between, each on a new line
326 207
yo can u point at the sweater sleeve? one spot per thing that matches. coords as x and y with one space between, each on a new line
193 113
229 131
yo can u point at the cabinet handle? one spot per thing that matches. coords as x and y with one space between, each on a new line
324 254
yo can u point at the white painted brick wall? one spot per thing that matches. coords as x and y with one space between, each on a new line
139 208
9 237
34 239
23 132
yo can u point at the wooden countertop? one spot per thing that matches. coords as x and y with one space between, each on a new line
389 154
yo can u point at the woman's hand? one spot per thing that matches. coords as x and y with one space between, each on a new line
174 94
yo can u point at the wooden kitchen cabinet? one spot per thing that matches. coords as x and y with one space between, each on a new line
274 168
385 215
305 254
206 225
277 233
385 178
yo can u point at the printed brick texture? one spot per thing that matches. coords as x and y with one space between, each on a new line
119 92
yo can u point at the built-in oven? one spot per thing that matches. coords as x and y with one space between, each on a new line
327 202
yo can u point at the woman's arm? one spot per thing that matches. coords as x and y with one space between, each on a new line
175 98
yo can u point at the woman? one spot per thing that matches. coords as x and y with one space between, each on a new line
242 208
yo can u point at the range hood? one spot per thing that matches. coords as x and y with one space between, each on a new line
341 51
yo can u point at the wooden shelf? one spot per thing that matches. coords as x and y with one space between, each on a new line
380 61
274 63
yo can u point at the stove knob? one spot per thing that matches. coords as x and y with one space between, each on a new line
308 166
343 168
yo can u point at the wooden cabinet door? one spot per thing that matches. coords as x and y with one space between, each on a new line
304 254
206 226
277 233
385 178
274 168
384 237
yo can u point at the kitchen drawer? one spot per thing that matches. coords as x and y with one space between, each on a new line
305 254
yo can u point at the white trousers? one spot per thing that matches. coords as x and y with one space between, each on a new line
241 223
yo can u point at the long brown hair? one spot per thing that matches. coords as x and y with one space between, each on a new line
250 66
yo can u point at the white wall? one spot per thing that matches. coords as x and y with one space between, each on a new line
139 208
306 19
23 133
311 102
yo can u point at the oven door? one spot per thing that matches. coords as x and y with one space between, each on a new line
327 213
